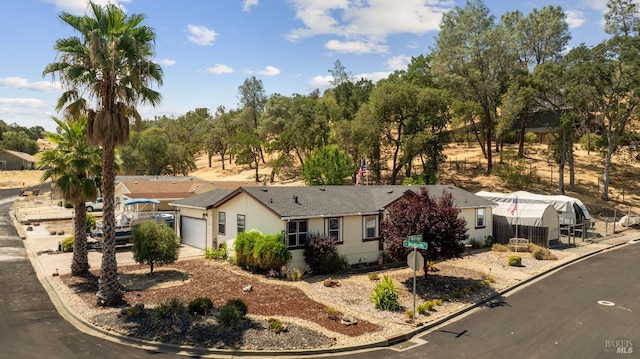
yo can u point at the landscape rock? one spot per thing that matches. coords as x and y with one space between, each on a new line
348 320
247 289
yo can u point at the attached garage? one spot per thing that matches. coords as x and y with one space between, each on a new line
193 232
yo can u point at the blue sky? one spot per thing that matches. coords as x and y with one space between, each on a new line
207 48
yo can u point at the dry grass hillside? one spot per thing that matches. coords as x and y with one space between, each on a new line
465 168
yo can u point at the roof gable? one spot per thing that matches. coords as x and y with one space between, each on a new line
21 155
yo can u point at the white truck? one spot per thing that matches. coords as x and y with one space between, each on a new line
95 205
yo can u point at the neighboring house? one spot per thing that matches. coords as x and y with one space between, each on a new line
165 191
14 160
352 214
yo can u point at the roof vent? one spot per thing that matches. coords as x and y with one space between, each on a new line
264 189
295 199
323 189
390 191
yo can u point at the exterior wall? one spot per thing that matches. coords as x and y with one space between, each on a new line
479 234
256 217
197 213
11 162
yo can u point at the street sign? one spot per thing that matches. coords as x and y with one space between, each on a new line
415 238
418 245
415 260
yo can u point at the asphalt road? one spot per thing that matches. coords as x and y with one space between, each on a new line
30 326
588 310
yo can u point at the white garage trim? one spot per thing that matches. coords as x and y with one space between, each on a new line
193 232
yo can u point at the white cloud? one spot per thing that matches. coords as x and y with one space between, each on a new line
166 62
81 6
248 4
269 71
25 102
220 69
358 47
324 82
399 62
596 4
372 20
373 76
22 83
574 18
200 35
321 82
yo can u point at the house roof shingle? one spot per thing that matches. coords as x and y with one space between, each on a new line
21 155
162 189
328 201
202 201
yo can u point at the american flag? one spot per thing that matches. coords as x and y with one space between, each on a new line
513 208
361 171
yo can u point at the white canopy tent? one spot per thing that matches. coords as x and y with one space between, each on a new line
570 210
529 214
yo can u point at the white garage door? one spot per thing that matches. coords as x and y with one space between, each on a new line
193 232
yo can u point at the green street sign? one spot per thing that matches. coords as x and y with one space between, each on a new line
418 245
421 245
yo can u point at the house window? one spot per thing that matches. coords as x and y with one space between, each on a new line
241 223
297 233
480 218
370 227
222 222
332 228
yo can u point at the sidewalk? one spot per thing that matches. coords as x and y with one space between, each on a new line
42 246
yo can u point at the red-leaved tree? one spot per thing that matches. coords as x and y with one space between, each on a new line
436 219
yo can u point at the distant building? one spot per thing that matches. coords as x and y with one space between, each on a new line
14 160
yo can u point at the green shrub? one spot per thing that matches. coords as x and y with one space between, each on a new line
409 314
488 241
374 276
446 297
90 222
67 244
425 307
170 313
519 174
332 313
322 257
229 316
515 261
245 241
541 253
530 138
294 274
593 142
220 253
437 302
276 326
457 294
475 244
385 295
271 252
239 304
258 251
154 244
200 305
497 247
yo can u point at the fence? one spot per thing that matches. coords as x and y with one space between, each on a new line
502 232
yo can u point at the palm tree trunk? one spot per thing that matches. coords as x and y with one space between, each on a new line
80 261
109 292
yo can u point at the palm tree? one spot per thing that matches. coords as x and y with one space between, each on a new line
73 163
110 63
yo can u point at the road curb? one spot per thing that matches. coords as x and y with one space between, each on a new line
83 325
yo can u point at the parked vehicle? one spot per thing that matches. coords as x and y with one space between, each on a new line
133 212
95 205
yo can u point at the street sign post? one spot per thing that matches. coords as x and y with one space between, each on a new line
415 260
